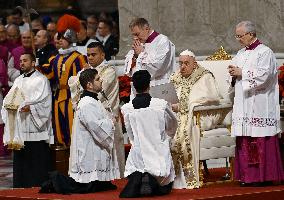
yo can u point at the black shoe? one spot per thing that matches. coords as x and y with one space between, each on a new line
262 184
132 188
243 184
146 189
256 184
47 187
98 186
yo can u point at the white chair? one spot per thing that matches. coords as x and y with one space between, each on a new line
215 140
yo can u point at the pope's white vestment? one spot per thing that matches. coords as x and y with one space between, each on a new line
200 88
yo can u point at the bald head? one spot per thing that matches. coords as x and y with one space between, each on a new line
13 33
26 39
42 38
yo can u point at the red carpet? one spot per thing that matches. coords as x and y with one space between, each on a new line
222 191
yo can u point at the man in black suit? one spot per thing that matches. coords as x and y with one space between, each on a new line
109 42
44 49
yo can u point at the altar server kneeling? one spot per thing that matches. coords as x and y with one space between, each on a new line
92 163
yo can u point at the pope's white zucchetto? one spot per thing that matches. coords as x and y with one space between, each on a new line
187 53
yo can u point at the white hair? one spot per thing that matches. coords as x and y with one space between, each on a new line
187 53
249 26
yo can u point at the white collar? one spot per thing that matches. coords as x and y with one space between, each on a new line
102 64
67 51
105 38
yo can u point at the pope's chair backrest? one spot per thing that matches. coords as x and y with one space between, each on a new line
220 72
219 68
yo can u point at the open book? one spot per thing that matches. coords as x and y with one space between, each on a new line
165 91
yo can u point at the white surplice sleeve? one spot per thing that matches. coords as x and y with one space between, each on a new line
259 76
40 102
153 59
171 122
128 63
101 128
125 113
41 112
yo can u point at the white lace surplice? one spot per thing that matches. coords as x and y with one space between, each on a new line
256 110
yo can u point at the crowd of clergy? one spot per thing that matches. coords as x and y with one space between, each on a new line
58 88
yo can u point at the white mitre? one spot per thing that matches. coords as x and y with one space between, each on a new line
187 53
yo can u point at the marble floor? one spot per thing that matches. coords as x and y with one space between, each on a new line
6 172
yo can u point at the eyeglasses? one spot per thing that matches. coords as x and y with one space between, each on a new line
240 36
186 63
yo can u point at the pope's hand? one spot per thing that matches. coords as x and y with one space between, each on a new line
25 109
175 107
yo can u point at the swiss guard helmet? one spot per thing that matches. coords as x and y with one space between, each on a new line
67 27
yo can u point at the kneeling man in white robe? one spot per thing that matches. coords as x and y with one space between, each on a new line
150 125
92 164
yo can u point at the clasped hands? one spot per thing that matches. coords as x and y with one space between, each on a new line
235 71
137 47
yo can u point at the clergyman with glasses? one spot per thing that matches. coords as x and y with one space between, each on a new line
255 118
